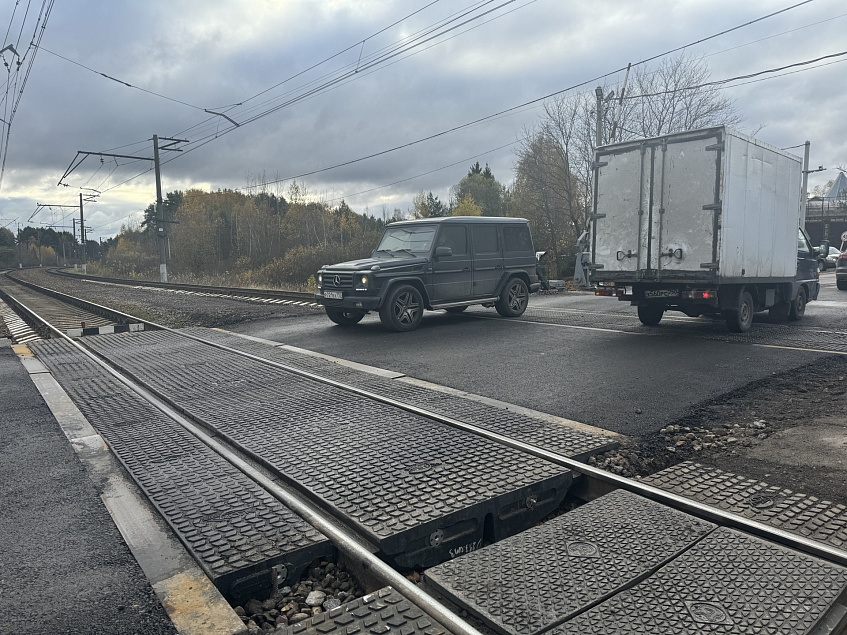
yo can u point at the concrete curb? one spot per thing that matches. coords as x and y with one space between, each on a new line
191 601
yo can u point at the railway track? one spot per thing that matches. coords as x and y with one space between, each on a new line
263 458
268 296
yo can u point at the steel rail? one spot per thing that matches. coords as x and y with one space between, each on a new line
800 543
104 311
353 547
789 539
272 294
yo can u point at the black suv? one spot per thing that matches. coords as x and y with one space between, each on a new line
437 263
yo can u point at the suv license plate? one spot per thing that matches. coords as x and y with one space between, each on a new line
661 293
333 295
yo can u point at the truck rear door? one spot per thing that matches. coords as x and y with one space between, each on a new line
658 205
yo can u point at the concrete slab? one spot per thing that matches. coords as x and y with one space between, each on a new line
385 611
783 508
243 538
730 583
421 490
528 583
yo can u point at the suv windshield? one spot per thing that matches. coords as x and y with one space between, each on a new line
417 238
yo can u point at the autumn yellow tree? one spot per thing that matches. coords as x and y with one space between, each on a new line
467 207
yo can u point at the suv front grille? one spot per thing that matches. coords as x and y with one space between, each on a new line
337 280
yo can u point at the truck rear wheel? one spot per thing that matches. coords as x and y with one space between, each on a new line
650 314
798 306
741 319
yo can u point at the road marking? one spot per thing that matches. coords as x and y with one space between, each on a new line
804 350
727 341
564 326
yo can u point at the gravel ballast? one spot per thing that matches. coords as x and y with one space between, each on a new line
165 307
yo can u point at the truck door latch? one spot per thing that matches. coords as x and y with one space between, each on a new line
621 255
672 253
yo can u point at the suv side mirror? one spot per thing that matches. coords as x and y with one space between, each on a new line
443 252
823 250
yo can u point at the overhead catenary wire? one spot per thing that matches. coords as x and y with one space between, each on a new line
452 18
349 72
679 48
20 83
416 36
527 103
515 108
502 112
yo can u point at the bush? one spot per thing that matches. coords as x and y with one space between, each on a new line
296 268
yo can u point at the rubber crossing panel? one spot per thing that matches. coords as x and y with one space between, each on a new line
379 613
527 583
729 583
546 434
422 491
785 509
243 538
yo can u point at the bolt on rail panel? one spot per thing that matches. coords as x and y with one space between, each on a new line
730 583
423 491
242 537
530 582
545 434
785 509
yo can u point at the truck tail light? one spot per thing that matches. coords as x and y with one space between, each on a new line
605 292
701 294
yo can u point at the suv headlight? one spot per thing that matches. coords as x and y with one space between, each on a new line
362 282
320 279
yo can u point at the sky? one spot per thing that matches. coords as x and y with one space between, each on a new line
282 60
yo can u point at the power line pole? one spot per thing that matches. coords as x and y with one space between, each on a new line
162 231
82 236
599 131
162 226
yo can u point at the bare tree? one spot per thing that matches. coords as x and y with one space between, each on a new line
674 97
554 175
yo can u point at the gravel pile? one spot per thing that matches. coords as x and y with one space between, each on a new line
325 587
677 443
165 307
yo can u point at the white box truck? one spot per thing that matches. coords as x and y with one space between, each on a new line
703 222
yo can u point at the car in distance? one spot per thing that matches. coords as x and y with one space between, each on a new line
434 263
828 261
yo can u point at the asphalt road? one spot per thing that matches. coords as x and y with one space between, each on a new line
582 357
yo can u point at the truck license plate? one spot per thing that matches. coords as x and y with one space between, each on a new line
333 295
661 293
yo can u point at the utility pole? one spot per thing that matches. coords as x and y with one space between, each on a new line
161 231
162 224
599 132
82 236
805 192
804 195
